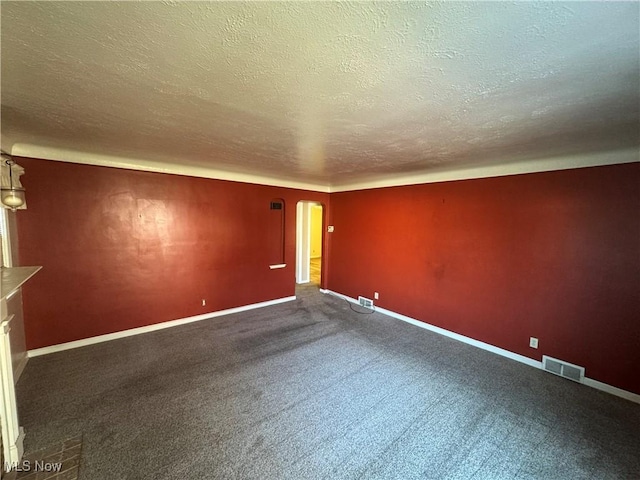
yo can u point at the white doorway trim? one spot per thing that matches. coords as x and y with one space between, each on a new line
303 241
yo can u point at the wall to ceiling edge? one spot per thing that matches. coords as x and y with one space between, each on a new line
432 175
552 255
123 249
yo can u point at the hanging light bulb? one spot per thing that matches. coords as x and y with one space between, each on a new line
11 191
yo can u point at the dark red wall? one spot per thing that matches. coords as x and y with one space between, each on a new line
551 255
123 249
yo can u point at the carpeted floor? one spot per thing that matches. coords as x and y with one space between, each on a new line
311 390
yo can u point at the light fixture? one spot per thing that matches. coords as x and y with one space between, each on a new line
11 191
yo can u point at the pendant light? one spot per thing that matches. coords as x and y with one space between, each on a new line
11 191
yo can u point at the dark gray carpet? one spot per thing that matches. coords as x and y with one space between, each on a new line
310 390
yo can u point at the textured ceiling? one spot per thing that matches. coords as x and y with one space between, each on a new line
324 93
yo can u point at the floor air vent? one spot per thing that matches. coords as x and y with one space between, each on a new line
564 369
365 302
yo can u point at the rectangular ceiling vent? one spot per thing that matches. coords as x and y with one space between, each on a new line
564 369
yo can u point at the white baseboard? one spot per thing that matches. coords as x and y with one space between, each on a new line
605 387
491 348
151 328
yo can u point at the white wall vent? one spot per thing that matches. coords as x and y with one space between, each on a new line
564 369
365 302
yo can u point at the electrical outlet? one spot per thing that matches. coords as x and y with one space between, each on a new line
376 296
330 228
204 302
533 342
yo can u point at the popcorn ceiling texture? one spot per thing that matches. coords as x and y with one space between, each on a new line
323 92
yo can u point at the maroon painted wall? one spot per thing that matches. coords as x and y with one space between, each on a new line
123 249
551 255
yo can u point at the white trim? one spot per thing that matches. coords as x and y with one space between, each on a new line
12 433
516 168
85 158
6 259
280 265
303 241
492 348
450 334
151 328
5 326
445 174
17 449
13 294
618 392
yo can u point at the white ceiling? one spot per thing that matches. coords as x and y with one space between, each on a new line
323 94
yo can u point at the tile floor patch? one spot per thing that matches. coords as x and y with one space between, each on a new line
58 462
